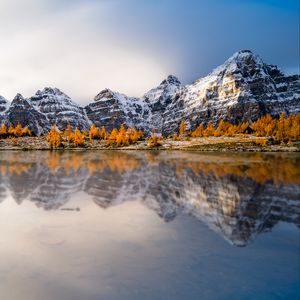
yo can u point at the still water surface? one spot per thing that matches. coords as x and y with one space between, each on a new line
147 225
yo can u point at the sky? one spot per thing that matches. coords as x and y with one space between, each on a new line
130 46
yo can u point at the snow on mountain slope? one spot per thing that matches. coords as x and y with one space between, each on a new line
59 109
159 100
4 106
242 89
21 111
112 109
43 110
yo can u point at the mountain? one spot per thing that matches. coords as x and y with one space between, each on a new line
43 110
112 109
59 109
22 111
4 105
242 89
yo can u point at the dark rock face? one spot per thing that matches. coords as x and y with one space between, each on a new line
111 109
3 107
21 111
160 101
242 89
59 109
3 104
43 110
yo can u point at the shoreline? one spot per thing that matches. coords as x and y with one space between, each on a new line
208 144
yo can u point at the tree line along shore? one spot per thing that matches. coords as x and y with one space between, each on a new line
266 131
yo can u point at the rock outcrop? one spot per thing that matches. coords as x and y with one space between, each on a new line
4 105
22 111
111 109
59 109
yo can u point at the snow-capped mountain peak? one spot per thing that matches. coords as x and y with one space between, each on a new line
51 91
106 94
171 79
243 88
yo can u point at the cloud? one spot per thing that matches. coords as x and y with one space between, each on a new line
68 49
82 47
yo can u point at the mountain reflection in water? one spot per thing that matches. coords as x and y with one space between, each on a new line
236 195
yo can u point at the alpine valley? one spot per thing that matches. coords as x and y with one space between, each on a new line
242 89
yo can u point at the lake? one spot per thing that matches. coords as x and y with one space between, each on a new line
149 225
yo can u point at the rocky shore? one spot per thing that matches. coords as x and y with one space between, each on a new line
239 144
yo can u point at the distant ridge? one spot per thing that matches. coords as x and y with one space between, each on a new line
242 89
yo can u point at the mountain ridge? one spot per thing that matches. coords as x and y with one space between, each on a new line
243 88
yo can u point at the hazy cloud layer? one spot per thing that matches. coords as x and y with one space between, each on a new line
83 46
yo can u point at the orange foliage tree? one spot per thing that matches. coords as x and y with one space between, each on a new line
77 138
134 135
15 132
175 137
154 141
103 134
113 137
284 129
264 126
182 128
210 130
222 128
3 131
54 137
123 137
68 133
199 131
94 132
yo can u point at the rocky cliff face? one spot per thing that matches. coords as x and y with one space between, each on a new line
43 110
4 105
242 89
59 109
236 206
111 109
22 111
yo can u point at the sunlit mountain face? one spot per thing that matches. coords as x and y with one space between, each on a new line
236 195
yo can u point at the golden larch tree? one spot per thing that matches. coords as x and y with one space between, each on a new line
68 133
182 128
3 130
18 130
103 134
78 138
210 129
54 137
199 131
281 128
94 132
